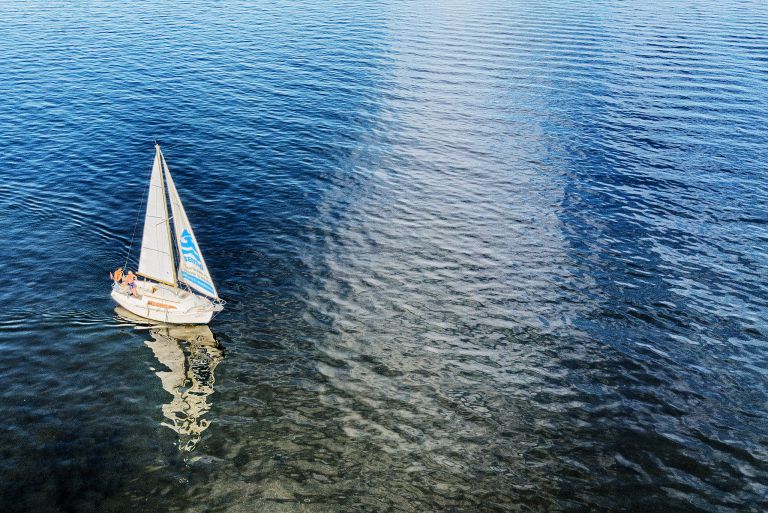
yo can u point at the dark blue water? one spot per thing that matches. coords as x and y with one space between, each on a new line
478 256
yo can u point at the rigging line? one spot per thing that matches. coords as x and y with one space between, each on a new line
136 223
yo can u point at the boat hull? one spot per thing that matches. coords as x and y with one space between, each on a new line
165 304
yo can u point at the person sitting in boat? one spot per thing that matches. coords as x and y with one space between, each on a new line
130 280
117 275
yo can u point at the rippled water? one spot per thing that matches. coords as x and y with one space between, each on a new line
478 256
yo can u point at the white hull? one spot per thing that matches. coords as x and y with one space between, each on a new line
166 304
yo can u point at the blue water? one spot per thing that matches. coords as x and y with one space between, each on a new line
477 256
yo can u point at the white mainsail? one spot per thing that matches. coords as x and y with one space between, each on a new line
156 259
192 268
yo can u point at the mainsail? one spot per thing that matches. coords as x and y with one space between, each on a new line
156 259
192 268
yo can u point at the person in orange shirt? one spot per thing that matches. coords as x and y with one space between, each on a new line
117 275
130 280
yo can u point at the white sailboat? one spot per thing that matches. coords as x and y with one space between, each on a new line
184 297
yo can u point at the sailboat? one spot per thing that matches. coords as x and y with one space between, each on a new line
165 294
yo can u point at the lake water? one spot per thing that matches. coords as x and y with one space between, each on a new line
477 256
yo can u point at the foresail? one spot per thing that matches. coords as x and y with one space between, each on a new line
156 260
192 268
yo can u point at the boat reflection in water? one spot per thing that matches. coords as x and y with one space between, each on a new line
191 354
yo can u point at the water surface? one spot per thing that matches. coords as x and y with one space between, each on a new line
478 256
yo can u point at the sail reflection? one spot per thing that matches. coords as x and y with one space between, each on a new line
190 354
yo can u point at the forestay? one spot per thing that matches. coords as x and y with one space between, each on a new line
156 259
192 268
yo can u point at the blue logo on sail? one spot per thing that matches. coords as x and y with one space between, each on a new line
189 250
194 280
192 256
